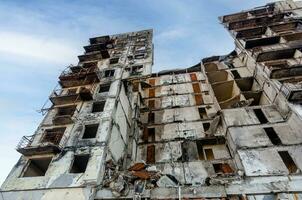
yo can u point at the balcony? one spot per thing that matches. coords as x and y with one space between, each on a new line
51 142
258 21
102 46
292 89
95 55
76 76
64 115
60 97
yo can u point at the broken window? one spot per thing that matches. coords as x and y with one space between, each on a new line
151 103
152 92
90 131
152 82
198 99
151 117
202 113
135 70
193 77
150 154
209 155
222 168
79 163
72 91
104 88
135 86
113 61
200 150
206 126
196 88
272 135
67 110
109 73
53 135
139 56
37 167
260 116
288 161
149 135
236 74
98 106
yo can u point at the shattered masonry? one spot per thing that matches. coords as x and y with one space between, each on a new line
227 128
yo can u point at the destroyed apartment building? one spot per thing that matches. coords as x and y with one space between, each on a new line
229 127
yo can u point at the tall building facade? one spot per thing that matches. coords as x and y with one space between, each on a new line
228 127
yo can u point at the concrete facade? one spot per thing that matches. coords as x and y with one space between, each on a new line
228 127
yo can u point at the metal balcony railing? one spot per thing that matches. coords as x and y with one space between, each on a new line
52 142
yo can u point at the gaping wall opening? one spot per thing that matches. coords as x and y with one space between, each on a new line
90 131
79 163
37 167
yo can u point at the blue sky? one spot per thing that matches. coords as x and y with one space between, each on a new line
38 39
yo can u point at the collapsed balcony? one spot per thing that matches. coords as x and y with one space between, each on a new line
95 55
262 42
227 93
76 76
59 97
258 21
292 89
285 71
64 115
277 55
251 91
52 142
218 76
266 10
102 46
101 39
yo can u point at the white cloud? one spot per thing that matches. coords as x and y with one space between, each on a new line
47 49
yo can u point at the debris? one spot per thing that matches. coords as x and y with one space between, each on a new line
166 181
142 174
119 187
137 167
151 168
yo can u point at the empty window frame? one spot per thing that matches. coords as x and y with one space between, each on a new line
151 103
272 135
222 168
149 135
202 113
150 154
206 126
37 167
200 150
79 163
53 135
90 131
198 99
288 161
113 61
98 106
151 82
151 92
209 155
136 70
260 115
109 73
151 117
104 88
196 88
193 77
139 56
72 91
236 74
66 110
